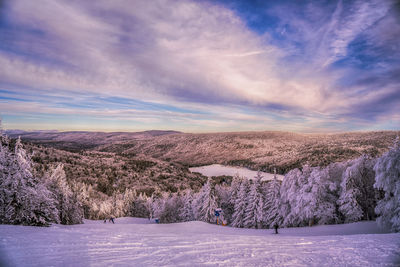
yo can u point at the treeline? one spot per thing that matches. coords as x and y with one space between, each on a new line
355 190
28 199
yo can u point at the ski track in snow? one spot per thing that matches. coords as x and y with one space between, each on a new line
136 242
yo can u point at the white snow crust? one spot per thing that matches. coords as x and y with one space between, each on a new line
140 242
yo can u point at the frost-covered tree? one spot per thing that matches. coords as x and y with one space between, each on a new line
272 203
228 198
290 188
168 208
240 204
67 203
320 207
139 206
387 170
357 198
127 198
254 213
205 203
223 194
187 210
24 197
82 191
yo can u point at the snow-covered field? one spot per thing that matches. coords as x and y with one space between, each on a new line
218 170
138 242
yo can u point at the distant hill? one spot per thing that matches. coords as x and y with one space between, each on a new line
81 140
259 150
255 150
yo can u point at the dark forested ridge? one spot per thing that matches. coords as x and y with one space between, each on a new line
81 140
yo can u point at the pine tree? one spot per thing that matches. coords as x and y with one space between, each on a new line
67 203
290 188
253 215
187 211
206 203
168 208
240 205
24 198
272 203
228 203
82 192
321 208
139 206
357 199
387 170
127 199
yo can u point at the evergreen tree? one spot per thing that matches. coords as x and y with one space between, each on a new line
187 210
168 208
68 206
272 203
139 206
240 204
357 199
253 215
84 195
320 207
387 170
228 203
206 203
24 198
290 188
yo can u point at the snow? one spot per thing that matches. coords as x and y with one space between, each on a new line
140 242
219 170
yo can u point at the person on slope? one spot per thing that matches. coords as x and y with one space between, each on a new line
276 226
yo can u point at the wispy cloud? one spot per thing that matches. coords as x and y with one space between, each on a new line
192 63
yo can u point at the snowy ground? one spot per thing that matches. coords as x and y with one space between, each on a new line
218 170
137 242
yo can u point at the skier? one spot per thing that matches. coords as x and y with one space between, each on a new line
111 219
276 226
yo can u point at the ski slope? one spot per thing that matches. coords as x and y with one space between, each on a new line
139 242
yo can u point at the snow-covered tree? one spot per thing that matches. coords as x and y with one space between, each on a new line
357 198
168 208
240 204
127 198
254 213
187 210
272 203
387 170
228 198
205 203
24 198
68 206
321 207
139 207
290 188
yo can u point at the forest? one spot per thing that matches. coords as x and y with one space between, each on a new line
364 188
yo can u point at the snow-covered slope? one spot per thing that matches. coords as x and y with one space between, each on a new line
139 242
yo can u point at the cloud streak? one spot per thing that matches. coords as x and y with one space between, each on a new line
201 63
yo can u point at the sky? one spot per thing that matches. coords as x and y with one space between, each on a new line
200 66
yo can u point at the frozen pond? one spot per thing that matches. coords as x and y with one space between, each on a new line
218 170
